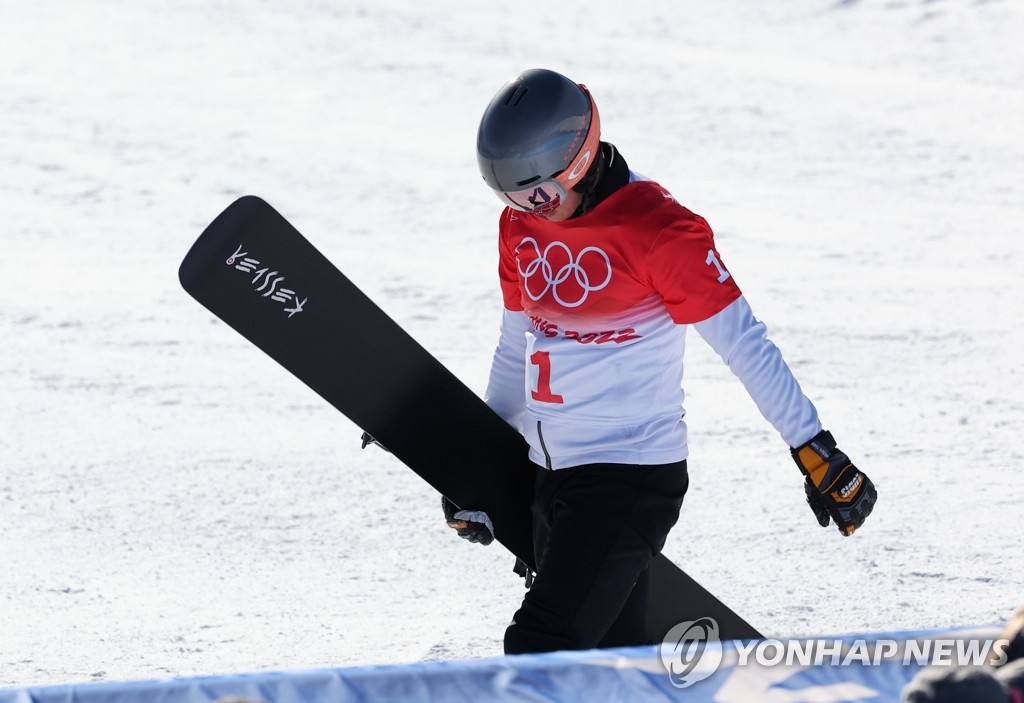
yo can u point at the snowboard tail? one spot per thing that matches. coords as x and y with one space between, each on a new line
257 273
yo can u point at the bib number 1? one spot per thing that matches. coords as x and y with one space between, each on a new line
723 275
543 394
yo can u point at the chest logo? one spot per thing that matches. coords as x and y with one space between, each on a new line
569 278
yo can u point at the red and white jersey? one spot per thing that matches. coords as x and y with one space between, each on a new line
596 309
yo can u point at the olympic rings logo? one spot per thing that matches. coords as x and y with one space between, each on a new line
552 279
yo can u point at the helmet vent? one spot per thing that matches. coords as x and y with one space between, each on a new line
516 96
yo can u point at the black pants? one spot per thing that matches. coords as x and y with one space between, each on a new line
596 529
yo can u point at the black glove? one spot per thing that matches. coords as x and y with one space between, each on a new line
835 488
472 525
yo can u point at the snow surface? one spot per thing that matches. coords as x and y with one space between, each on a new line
174 503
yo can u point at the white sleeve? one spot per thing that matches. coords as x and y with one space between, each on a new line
742 342
506 388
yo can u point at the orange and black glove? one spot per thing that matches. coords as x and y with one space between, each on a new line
836 489
471 525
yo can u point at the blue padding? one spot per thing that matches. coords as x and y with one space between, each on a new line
634 674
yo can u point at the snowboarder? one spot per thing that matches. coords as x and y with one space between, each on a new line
602 270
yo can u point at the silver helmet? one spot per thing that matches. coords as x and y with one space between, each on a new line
539 127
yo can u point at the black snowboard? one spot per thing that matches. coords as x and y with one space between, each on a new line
256 272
